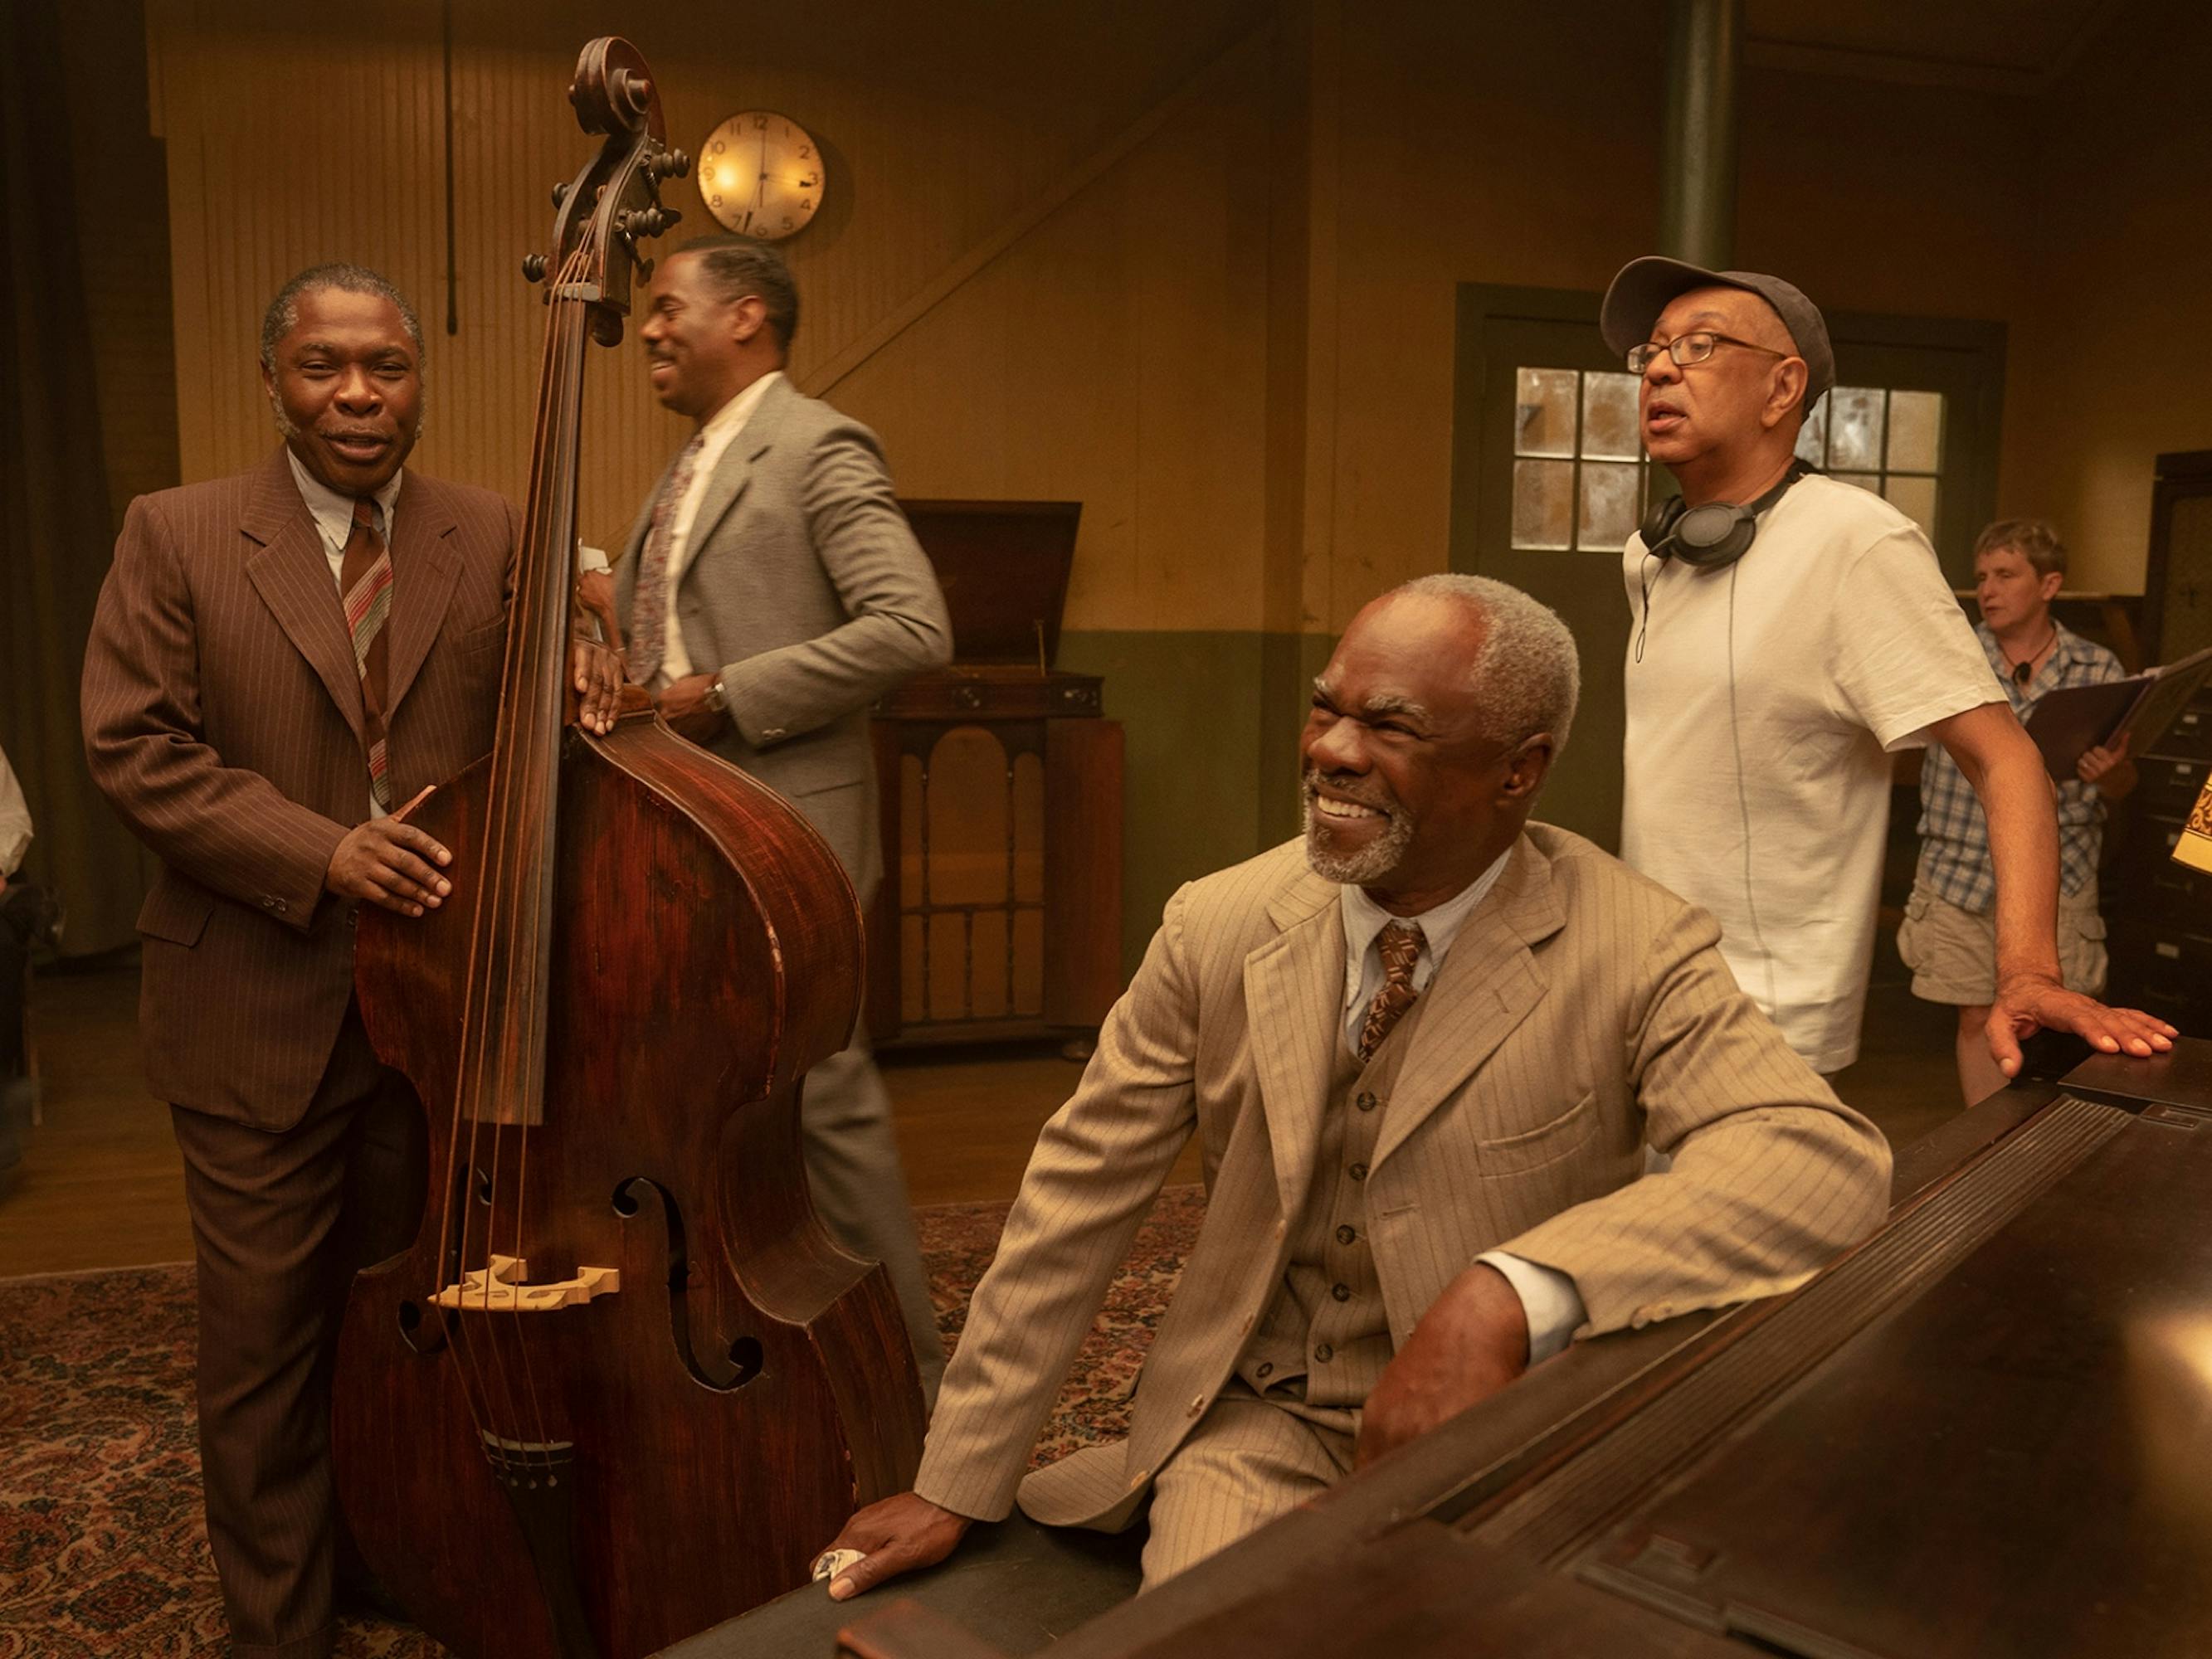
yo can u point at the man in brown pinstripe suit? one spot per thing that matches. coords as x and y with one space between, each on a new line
277 661
1424 1051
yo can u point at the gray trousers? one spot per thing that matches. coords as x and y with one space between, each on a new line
852 1170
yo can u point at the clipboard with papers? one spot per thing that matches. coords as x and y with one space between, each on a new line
2068 722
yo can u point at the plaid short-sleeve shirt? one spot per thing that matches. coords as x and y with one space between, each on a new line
1954 837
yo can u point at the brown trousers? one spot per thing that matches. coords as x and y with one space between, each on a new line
281 1221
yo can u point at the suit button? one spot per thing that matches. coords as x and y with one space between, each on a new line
353 918
1266 1367
1366 1103
1137 1479
1324 1353
1358 1172
1342 1292
1198 1405
772 733
1347 1235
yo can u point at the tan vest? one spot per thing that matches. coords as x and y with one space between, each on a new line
1327 1328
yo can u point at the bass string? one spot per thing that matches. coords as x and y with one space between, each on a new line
478 1008
560 556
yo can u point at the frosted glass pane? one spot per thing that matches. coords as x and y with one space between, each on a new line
1608 506
1916 499
1863 480
1609 417
1543 503
1544 417
1916 429
1812 436
1855 428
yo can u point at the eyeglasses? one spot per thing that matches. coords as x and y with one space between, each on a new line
1688 348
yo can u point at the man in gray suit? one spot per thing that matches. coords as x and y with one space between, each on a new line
771 591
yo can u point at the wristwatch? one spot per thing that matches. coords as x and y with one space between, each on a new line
714 697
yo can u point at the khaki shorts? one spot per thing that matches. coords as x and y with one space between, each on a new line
1953 953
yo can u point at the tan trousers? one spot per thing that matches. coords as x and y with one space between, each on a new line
1249 1460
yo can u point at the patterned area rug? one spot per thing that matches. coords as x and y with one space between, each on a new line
102 1547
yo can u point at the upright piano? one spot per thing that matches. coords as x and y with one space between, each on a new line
1986 1431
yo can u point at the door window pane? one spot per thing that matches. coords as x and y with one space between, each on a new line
1812 436
1608 513
1915 427
1863 480
1609 418
1855 428
1916 499
1544 423
1543 504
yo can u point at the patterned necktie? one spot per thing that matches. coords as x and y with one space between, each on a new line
365 575
648 611
1399 943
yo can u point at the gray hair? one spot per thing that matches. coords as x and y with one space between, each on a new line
1526 673
739 265
283 313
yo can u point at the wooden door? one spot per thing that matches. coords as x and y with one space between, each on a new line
2177 577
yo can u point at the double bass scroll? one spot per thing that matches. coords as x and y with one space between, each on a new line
622 1383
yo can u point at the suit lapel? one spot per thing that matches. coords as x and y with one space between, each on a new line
424 569
735 471
1489 981
291 572
1293 998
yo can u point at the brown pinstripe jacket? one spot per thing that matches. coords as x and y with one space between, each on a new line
221 710
1582 1013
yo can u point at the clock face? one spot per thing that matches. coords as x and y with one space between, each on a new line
761 175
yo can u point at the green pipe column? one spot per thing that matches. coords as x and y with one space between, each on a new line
1697 202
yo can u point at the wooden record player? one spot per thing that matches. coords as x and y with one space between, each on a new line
999 916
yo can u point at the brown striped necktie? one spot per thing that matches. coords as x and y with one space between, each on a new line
648 611
1399 943
365 577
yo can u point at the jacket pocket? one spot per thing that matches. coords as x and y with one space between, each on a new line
1563 1137
176 913
493 633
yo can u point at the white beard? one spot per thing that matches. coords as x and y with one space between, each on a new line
1371 863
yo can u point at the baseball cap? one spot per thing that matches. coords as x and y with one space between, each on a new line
1645 286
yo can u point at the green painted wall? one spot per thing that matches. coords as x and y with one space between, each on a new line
1211 719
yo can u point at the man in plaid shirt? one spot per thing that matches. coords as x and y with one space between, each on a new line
1950 935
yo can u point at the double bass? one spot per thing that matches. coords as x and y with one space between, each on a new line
622 1385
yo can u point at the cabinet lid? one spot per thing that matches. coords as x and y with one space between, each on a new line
1004 568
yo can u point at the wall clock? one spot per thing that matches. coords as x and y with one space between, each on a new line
761 175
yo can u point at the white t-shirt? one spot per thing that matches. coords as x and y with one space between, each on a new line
1846 644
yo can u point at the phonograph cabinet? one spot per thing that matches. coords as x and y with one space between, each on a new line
999 916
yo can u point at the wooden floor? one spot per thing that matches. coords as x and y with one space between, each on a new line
101 1185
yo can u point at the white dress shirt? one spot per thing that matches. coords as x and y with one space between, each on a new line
1548 1297
714 439
333 512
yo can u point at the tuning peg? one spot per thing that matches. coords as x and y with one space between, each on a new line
670 164
533 267
560 192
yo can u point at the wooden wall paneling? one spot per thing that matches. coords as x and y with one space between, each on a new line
940 125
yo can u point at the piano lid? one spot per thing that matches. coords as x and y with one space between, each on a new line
1004 568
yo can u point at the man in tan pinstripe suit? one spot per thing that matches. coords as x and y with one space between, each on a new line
1424 1051
277 661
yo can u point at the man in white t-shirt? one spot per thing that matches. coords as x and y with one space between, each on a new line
1767 685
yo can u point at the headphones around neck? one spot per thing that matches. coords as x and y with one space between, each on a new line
1715 535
